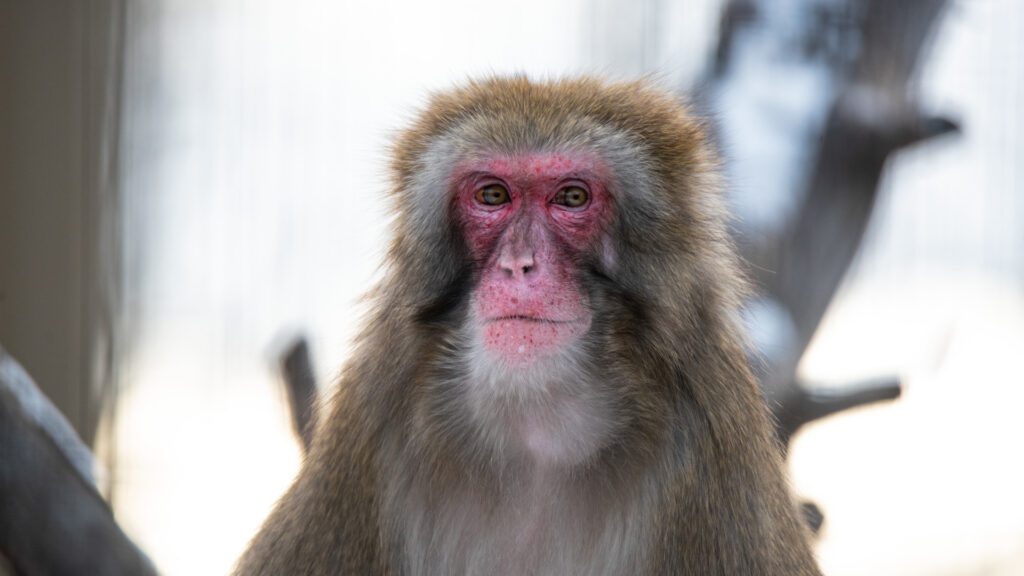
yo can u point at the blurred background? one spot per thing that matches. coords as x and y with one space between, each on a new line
186 185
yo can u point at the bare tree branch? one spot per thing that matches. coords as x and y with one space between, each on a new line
52 518
297 371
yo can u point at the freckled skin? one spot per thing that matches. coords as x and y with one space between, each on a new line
528 249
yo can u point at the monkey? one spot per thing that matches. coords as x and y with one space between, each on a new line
552 378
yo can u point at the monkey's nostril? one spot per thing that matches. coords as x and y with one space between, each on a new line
517 267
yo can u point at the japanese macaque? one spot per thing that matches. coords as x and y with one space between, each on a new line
552 380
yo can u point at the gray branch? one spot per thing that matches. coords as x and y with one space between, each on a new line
300 383
52 519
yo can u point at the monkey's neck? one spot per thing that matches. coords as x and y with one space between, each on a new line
517 471
545 417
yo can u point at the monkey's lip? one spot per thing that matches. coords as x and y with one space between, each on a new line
529 318
520 337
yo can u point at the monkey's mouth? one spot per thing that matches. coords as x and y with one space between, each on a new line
526 318
525 337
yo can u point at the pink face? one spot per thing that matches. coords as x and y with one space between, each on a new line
528 220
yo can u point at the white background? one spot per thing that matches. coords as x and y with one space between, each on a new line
254 165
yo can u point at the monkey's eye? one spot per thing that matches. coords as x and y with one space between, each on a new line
492 195
572 197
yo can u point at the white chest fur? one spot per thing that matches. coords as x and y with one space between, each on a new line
547 528
548 510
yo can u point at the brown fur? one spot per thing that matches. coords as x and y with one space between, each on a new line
692 483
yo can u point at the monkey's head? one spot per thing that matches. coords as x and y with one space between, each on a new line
548 231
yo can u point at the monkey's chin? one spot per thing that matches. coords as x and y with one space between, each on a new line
524 339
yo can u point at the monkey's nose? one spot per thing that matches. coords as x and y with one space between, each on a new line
517 266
